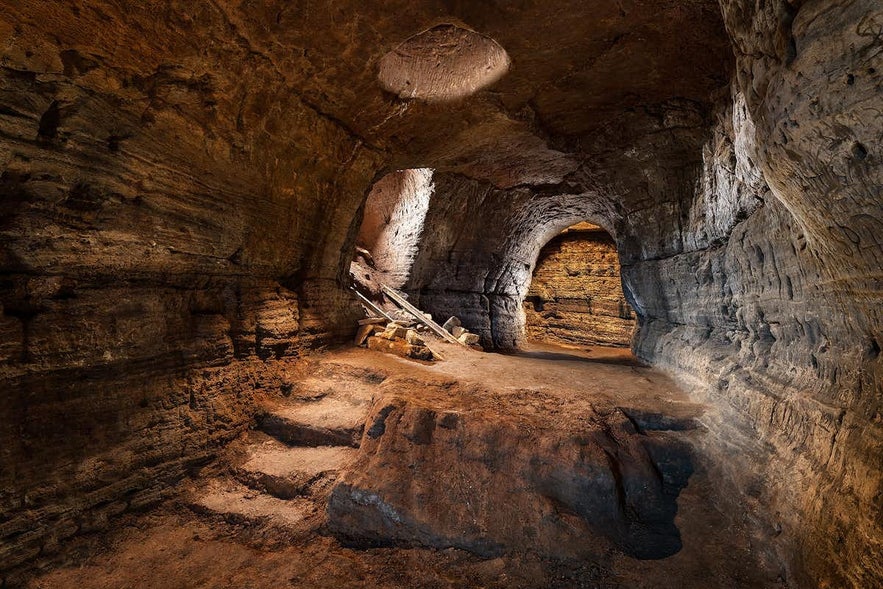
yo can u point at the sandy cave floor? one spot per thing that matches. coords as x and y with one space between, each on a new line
173 546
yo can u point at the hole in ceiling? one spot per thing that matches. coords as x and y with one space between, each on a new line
443 63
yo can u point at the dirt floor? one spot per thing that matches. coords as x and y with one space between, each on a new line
177 546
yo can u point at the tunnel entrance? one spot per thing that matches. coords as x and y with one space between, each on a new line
386 244
576 296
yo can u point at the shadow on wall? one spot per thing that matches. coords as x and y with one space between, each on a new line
576 296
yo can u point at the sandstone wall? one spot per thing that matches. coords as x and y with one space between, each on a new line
773 301
182 185
575 295
391 227
172 214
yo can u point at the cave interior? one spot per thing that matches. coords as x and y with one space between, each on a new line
661 219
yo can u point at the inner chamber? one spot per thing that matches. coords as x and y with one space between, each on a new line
576 296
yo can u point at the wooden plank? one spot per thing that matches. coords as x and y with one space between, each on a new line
404 304
372 320
369 304
435 353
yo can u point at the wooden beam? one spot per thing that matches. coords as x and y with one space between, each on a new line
419 315
369 304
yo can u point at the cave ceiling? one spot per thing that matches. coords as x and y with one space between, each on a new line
584 77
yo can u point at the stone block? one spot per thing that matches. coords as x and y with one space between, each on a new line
451 323
363 333
412 338
394 331
470 339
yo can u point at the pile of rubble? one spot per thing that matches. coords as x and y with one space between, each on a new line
462 334
404 331
396 337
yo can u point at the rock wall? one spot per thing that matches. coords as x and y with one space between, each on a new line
162 236
182 185
781 318
575 296
392 223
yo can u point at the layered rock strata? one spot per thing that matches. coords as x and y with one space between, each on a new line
491 482
575 295
182 186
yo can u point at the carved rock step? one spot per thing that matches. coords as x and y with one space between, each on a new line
287 472
329 421
237 504
357 387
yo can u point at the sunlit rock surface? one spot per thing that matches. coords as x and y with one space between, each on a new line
575 295
181 193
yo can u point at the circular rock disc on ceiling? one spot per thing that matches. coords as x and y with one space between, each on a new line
443 63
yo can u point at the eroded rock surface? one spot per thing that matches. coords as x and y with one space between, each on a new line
181 191
575 295
472 470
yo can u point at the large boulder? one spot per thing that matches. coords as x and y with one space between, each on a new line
443 475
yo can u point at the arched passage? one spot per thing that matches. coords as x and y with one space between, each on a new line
386 244
575 296
477 261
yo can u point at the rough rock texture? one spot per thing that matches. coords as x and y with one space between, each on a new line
246 536
182 184
392 223
443 63
477 261
575 295
783 316
152 255
473 476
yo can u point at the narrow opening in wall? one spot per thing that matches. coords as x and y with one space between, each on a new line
388 238
575 296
